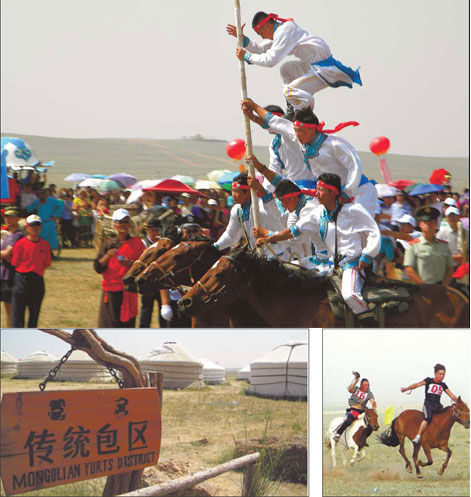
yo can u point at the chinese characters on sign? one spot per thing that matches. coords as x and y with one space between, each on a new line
75 435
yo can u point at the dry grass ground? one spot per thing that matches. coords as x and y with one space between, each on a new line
73 291
199 428
383 471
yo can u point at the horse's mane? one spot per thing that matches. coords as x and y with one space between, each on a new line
268 275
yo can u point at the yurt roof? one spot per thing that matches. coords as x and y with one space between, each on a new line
207 364
245 369
292 352
172 352
8 358
79 356
40 356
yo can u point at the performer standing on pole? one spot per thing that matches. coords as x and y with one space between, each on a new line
315 70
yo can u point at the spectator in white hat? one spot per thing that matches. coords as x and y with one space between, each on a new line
453 233
118 307
31 256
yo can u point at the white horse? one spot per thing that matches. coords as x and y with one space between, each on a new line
354 437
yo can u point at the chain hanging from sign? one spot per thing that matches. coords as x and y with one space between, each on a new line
53 372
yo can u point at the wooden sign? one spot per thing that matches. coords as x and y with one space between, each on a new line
53 438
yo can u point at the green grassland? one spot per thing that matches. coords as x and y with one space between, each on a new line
383 471
199 427
146 159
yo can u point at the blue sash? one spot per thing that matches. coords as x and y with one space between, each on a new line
353 75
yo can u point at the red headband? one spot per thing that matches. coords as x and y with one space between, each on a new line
239 186
269 16
320 127
305 191
329 187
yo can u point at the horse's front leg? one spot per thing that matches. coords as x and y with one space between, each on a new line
428 454
344 453
333 443
355 454
415 456
446 449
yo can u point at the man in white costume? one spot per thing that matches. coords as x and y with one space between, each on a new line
286 153
315 70
352 238
241 219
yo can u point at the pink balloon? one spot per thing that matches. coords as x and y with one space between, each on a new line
379 145
235 149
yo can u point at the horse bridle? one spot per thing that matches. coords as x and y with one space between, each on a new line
171 274
214 297
456 414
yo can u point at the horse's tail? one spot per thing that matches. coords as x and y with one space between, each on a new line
389 436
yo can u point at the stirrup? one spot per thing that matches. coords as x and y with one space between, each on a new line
367 320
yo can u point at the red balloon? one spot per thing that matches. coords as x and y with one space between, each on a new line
379 145
235 149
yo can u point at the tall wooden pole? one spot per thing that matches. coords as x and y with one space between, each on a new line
248 134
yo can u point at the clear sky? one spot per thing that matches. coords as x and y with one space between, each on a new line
392 359
229 348
155 69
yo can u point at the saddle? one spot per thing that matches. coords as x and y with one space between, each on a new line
383 296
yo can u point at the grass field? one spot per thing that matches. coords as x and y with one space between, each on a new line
198 427
73 291
145 158
383 471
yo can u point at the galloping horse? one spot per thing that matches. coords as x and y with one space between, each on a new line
295 298
354 437
435 436
149 255
184 264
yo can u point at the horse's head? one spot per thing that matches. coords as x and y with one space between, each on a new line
218 286
149 255
461 412
175 267
371 417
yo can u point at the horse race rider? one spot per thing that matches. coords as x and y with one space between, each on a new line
286 154
357 402
434 387
241 220
352 237
315 70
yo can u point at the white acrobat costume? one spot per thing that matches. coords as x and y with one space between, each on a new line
315 70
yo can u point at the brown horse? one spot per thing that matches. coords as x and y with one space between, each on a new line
149 255
435 436
185 264
294 298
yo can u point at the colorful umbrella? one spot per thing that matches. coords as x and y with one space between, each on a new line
204 184
384 190
226 179
423 189
123 178
77 177
108 185
145 183
188 180
172 186
440 177
99 176
92 182
407 189
215 174
401 184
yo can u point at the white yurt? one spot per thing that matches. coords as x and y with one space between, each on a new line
243 374
212 372
36 365
282 372
81 367
9 364
181 370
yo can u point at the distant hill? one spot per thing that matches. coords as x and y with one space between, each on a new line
147 159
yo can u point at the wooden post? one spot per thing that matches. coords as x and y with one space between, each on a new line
248 134
248 479
192 480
